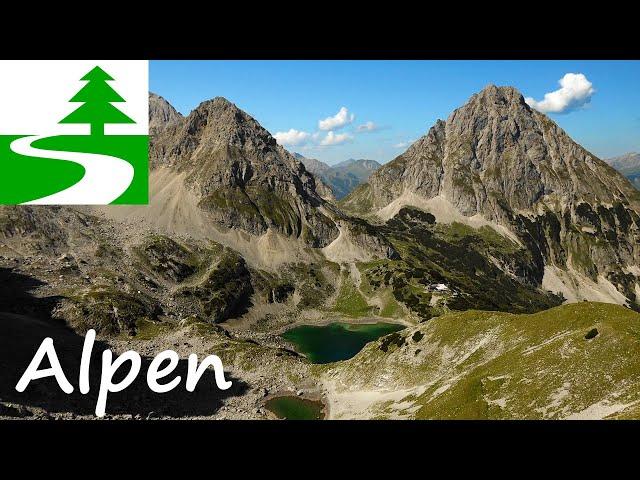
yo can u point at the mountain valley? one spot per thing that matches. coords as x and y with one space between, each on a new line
495 242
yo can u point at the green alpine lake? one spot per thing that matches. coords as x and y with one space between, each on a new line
336 341
295 408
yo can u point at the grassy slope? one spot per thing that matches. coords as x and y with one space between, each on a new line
350 301
359 202
389 306
498 365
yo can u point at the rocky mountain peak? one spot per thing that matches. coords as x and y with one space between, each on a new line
161 114
241 176
492 113
219 122
496 150
494 100
219 109
498 95
498 158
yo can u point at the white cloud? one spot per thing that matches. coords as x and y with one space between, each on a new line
333 139
292 137
367 127
339 120
575 91
403 144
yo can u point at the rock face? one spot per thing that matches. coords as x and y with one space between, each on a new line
498 158
343 177
242 177
161 114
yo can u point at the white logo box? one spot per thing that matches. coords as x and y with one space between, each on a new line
35 94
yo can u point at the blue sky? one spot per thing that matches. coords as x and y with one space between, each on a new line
600 109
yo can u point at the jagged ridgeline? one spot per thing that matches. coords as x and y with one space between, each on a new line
497 161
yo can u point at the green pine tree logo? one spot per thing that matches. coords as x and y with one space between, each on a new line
97 97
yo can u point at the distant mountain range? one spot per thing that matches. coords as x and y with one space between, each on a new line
628 165
343 177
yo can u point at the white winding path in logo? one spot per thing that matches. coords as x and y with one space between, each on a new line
104 180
